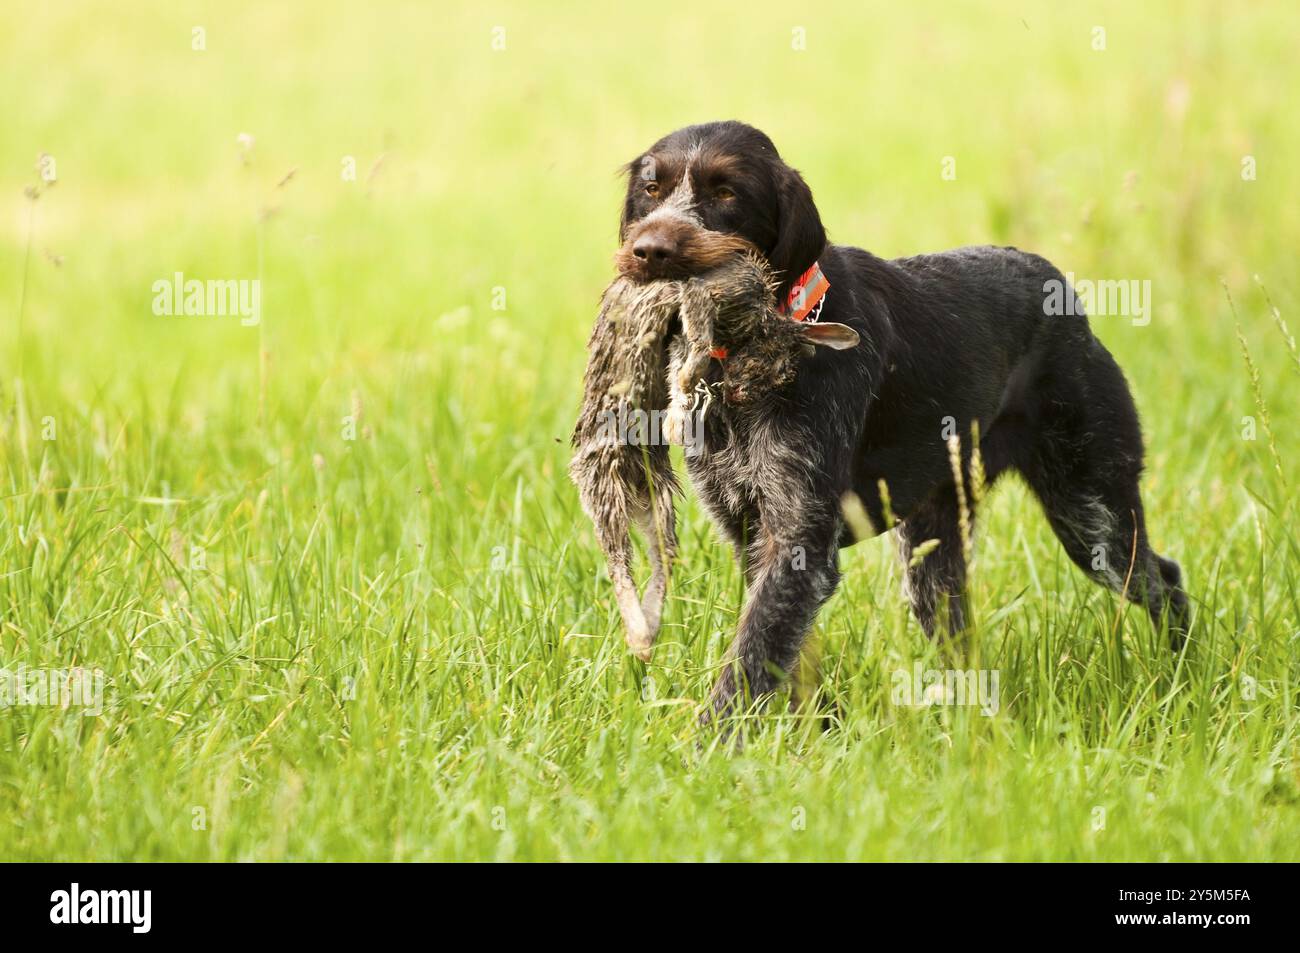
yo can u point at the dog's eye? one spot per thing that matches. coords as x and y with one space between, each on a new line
652 188
723 194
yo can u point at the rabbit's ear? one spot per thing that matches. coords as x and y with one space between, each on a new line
829 334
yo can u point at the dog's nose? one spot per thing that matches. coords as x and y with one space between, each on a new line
655 249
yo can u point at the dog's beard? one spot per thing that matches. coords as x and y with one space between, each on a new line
699 251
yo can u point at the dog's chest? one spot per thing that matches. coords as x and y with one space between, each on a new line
737 456
737 462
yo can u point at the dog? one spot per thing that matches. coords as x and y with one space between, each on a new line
936 347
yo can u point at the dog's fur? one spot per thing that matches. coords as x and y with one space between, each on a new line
947 340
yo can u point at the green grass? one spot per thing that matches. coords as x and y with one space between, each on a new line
399 646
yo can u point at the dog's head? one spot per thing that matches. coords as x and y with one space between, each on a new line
705 193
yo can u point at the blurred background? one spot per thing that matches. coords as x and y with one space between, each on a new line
486 139
428 194
369 483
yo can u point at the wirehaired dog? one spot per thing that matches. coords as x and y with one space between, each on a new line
947 341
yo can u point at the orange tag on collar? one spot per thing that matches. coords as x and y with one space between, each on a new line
807 293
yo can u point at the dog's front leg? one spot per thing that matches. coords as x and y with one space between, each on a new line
795 571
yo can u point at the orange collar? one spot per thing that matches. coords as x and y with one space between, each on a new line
805 298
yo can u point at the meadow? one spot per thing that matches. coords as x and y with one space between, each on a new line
328 562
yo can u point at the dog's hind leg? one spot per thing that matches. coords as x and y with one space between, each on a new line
1103 530
1084 464
931 548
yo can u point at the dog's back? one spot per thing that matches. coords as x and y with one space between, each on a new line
963 335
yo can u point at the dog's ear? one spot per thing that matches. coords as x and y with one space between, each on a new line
632 172
841 337
800 237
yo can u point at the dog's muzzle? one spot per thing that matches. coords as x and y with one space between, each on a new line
675 246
